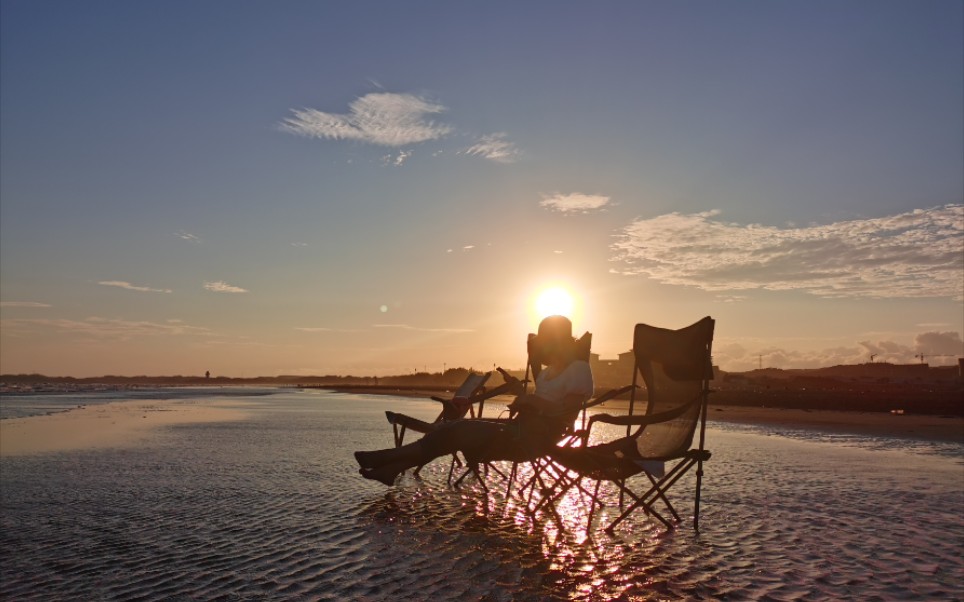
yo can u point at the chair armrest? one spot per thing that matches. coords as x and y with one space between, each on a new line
644 419
611 394
636 420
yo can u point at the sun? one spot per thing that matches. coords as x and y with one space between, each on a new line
554 301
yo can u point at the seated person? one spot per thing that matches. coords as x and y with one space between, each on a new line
540 419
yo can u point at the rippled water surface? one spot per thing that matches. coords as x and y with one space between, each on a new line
13 405
272 508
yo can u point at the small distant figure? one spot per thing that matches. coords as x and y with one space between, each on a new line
207 374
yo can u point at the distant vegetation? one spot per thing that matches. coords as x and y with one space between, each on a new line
879 387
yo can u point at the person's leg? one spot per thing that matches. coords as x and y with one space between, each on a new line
471 437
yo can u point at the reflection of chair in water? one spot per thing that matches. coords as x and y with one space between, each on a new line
676 369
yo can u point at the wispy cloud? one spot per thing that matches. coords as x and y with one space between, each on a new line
420 329
575 202
31 304
132 287
186 236
495 147
397 160
382 118
103 328
913 254
325 329
220 286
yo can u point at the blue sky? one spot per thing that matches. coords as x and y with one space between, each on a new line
373 187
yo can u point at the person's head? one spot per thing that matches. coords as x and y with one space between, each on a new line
555 338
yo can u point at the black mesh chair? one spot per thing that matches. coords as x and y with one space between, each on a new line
675 366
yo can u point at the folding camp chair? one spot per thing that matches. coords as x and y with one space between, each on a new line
543 465
539 457
469 393
534 365
676 368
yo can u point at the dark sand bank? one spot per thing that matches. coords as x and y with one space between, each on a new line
948 429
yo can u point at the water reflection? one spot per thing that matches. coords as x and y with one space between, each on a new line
783 518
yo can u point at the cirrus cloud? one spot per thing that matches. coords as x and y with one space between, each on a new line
31 304
913 254
575 202
494 147
186 236
383 118
132 287
220 286
421 329
102 328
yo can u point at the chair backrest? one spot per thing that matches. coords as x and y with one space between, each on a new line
676 367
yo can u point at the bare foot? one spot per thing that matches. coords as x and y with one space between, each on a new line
382 475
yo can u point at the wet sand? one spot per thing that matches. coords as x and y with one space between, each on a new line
117 424
947 429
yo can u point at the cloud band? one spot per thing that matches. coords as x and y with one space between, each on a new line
914 254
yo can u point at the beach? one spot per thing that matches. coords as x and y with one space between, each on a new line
259 498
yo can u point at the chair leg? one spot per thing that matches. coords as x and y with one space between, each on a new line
658 492
399 432
632 507
512 473
696 506
592 505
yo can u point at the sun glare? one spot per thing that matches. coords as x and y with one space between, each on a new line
554 301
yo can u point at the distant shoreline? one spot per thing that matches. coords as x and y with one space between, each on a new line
883 423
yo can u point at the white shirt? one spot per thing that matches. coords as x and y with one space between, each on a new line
575 379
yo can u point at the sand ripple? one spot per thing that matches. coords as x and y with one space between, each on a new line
271 508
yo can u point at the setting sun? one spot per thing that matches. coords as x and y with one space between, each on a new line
554 301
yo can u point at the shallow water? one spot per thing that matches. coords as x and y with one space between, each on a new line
272 508
14 405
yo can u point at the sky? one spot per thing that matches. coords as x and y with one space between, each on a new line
268 188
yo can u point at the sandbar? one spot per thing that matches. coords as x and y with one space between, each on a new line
115 424
948 429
